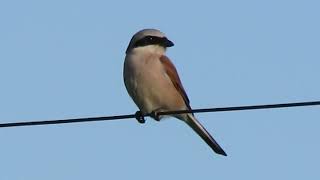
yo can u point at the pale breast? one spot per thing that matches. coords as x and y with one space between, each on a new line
148 84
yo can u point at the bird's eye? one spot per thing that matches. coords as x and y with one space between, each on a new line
150 38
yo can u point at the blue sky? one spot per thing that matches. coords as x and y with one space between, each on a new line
64 59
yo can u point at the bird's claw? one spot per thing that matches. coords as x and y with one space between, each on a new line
140 117
155 115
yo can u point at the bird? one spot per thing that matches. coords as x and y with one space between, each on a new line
153 83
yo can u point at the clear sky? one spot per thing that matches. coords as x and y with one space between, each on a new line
63 59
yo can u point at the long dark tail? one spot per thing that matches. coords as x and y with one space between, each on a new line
204 134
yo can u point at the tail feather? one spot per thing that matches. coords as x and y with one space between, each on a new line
204 134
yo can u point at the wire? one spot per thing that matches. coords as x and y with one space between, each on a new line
65 121
141 119
241 108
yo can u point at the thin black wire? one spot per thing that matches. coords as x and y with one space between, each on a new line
65 121
241 108
140 117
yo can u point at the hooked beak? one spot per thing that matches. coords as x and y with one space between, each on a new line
167 43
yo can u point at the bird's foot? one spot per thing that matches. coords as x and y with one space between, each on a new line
140 117
155 115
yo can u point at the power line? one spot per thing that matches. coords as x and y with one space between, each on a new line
141 119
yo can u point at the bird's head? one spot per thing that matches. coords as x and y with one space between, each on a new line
149 39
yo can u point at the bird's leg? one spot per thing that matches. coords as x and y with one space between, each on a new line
140 117
155 115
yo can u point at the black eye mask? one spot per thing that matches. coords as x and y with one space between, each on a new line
154 40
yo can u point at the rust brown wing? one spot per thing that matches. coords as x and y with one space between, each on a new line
173 74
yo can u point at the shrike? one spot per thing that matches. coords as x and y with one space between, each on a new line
153 82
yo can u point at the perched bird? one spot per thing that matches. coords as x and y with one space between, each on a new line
153 82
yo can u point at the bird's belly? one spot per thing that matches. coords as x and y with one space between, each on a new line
153 90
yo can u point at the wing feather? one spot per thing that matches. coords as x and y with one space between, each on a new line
173 75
